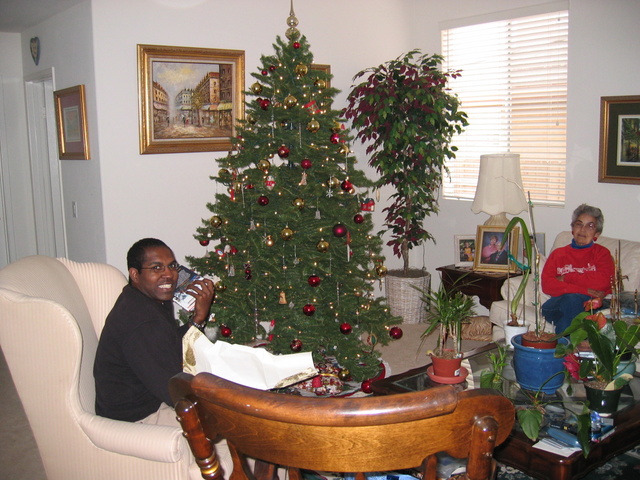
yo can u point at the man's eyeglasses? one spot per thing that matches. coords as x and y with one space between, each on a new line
161 268
588 226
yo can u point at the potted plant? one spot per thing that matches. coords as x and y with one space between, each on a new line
448 310
535 362
597 348
406 114
492 378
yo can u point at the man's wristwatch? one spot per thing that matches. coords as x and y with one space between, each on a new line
199 326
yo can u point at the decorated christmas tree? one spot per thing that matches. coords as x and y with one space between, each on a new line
290 235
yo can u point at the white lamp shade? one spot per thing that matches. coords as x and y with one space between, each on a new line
499 189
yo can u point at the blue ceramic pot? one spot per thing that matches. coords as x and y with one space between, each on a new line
626 366
537 368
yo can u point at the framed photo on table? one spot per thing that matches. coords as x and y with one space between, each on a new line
492 249
465 250
71 123
619 147
190 99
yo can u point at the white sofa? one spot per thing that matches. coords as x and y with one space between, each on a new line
629 264
51 313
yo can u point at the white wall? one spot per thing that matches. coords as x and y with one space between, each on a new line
165 195
14 152
67 47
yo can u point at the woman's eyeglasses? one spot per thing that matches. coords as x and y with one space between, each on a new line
588 226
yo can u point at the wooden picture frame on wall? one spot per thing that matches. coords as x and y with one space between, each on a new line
71 123
490 257
619 145
190 99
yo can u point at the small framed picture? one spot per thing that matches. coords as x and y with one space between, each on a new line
619 152
71 121
493 249
465 250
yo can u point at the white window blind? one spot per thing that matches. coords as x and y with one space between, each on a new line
513 87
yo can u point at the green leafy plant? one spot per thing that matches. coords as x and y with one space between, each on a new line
609 341
447 311
492 378
406 114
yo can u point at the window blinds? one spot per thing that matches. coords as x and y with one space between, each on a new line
513 87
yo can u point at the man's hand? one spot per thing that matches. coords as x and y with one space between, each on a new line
204 292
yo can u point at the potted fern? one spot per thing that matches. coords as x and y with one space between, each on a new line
449 309
405 113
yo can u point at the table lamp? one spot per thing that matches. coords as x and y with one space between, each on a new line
499 189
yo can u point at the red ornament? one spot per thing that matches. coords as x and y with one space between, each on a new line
346 328
309 310
339 230
263 200
366 386
395 333
296 45
264 72
357 218
335 137
283 151
314 280
296 345
225 331
272 68
369 205
346 185
306 164
204 243
264 104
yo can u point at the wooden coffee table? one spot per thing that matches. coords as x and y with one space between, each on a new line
517 451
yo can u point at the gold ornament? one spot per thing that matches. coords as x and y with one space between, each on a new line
251 119
264 165
381 270
320 83
298 203
290 101
283 298
215 221
333 182
322 246
313 126
223 173
256 88
301 69
344 374
292 33
336 128
343 149
286 233
220 287
270 242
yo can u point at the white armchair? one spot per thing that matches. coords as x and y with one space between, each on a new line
629 264
51 313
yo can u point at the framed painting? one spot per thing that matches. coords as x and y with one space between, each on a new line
71 123
492 251
321 67
619 140
189 98
465 250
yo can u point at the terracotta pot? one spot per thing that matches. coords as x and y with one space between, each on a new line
602 401
544 341
446 367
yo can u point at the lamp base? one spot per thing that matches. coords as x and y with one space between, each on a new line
499 220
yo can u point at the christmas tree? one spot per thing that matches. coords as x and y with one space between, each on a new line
290 233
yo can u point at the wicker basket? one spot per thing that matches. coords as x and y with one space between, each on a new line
403 299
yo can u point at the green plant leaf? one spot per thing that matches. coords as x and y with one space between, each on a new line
530 420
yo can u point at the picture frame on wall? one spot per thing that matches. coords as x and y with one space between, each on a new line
71 123
465 250
322 67
190 99
491 255
619 150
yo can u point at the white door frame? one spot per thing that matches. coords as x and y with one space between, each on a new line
45 166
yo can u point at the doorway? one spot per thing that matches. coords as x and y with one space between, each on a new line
46 179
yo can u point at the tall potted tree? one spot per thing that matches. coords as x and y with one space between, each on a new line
405 113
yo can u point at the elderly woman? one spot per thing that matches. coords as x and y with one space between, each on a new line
577 272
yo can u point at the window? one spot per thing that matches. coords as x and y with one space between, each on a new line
513 87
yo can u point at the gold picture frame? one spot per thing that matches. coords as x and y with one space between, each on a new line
71 123
489 256
190 99
619 152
